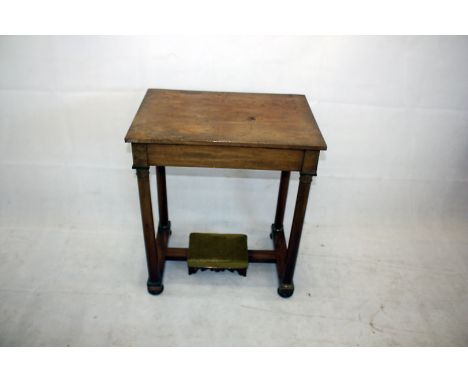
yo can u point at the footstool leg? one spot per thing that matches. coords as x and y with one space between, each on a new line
286 287
153 260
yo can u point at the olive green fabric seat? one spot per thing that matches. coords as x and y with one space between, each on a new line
217 251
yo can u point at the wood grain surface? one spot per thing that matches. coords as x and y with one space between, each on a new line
226 119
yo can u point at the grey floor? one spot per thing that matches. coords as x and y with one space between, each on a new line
65 287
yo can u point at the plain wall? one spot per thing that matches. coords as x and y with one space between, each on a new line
393 110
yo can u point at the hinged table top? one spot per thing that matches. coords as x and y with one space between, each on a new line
226 119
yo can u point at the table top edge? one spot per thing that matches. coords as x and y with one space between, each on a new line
321 147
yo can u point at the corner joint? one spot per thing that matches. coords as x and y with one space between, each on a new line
306 177
141 171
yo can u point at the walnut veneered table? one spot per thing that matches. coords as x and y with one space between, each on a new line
224 130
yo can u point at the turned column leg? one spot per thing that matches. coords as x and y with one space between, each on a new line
164 223
154 262
277 226
286 288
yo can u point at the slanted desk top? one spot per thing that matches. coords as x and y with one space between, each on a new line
226 119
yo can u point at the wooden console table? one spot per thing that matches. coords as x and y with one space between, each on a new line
224 130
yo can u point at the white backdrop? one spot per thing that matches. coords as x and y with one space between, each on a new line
393 110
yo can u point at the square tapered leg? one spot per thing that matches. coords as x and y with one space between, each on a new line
153 257
286 287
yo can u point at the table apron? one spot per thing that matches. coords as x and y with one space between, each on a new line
253 158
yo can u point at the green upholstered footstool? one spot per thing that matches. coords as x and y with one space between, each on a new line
218 252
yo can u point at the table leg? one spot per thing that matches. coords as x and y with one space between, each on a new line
281 204
286 288
154 283
164 223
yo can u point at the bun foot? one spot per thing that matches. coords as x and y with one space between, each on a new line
154 288
286 290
